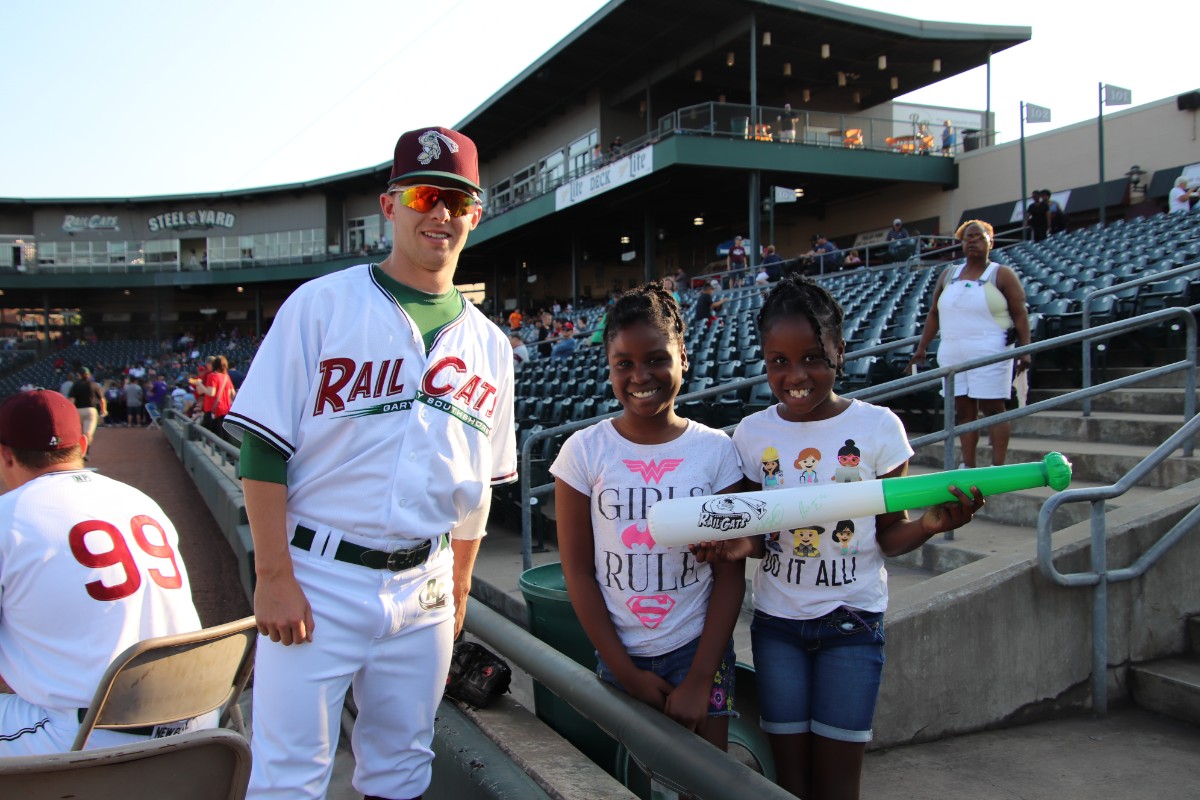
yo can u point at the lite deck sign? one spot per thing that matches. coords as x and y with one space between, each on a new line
196 219
623 170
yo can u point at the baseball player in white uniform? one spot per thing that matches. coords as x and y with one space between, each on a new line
376 417
88 567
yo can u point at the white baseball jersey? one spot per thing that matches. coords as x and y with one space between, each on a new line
382 439
88 567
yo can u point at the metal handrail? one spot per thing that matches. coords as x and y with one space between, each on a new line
1114 289
667 750
1100 575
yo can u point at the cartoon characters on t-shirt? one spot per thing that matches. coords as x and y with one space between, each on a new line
843 538
772 477
806 463
848 458
807 541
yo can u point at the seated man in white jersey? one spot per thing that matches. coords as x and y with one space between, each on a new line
88 567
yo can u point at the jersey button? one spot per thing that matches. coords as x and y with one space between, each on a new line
403 503
412 456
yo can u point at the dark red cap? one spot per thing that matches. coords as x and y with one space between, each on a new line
438 153
39 420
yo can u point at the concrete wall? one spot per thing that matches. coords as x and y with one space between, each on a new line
995 642
1154 136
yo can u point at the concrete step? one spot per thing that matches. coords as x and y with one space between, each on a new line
1069 378
1125 401
1193 635
1169 686
1101 426
1100 462
979 539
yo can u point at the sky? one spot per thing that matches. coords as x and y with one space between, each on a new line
133 98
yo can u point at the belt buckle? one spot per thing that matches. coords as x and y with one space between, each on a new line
400 560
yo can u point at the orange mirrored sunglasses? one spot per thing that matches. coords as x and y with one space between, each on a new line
423 198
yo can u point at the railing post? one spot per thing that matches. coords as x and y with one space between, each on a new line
1099 611
948 418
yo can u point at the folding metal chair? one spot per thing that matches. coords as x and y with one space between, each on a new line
173 678
200 765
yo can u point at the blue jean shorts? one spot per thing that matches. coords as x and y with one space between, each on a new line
819 675
673 668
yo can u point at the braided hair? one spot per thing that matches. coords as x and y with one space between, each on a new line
796 295
649 304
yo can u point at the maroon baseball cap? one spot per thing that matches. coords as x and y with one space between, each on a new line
39 420
436 153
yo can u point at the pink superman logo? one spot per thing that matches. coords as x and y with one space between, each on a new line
637 537
651 609
651 471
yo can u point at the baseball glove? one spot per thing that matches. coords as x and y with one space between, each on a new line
477 675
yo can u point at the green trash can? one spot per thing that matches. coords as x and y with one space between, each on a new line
553 620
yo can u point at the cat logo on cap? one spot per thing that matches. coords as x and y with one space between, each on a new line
431 148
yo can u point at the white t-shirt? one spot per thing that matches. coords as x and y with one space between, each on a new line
657 596
88 567
807 573
1177 200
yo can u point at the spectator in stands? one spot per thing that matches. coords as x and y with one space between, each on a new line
182 400
520 351
772 264
735 263
979 309
1058 217
114 398
706 307
65 387
514 319
947 138
669 285
218 393
899 241
1037 216
134 398
564 348
88 398
543 333
614 149
852 261
681 280
1180 198
157 395
818 257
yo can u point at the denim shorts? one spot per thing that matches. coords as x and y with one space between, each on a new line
673 668
819 675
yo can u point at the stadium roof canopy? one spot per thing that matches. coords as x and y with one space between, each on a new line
631 47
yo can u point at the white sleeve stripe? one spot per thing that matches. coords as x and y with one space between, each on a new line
266 434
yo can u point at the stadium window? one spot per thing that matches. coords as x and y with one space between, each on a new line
579 152
551 170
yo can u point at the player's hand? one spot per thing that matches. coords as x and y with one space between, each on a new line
948 516
460 615
688 702
724 550
651 689
282 610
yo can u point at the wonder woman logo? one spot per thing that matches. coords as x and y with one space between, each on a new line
651 471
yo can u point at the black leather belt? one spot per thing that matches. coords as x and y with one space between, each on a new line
395 561
146 730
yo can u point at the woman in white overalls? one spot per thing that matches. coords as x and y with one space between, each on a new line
974 306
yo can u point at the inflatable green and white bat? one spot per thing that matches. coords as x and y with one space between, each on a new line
687 520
